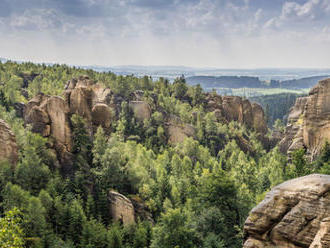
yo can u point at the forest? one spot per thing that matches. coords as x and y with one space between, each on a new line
196 193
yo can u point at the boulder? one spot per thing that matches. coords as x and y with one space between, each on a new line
8 146
121 208
293 214
141 110
101 115
177 130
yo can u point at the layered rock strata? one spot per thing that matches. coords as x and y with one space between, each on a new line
294 214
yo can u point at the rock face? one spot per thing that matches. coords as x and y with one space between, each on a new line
49 116
141 110
121 208
234 108
309 121
177 130
294 214
8 146
89 100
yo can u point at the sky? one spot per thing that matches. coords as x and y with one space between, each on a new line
196 33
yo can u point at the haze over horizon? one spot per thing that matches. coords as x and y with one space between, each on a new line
194 33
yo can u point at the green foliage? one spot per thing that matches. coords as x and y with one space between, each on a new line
11 231
172 231
197 192
180 88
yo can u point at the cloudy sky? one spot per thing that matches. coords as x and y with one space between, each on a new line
199 33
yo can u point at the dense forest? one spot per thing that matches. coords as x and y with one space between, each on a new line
276 106
234 82
196 193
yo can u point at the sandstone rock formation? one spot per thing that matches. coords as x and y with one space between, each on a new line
121 208
309 121
294 214
177 130
234 108
141 110
49 116
90 100
8 146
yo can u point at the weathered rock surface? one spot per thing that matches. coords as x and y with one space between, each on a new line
309 121
141 110
294 214
177 130
235 108
8 146
88 99
49 116
121 208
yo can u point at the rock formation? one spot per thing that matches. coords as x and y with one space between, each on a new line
8 146
49 116
177 130
141 110
294 214
234 108
90 100
99 106
309 121
121 208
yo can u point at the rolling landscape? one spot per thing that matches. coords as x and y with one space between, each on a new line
164 124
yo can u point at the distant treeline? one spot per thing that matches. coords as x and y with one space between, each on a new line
276 106
252 82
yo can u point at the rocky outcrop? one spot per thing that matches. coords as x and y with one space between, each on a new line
177 130
141 110
309 121
90 100
8 146
294 214
322 238
235 108
49 116
121 208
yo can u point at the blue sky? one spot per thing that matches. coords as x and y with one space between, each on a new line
199 33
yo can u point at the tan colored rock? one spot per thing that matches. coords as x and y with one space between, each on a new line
309 121
235 108
101 115
49 116
293 134
8 146
88 99
322 238
81 102
121 208
141 109
258 117
292 215
177 130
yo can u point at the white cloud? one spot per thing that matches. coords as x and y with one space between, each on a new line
40 19
186 32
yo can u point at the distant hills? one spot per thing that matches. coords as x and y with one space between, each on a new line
235 82
208 78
